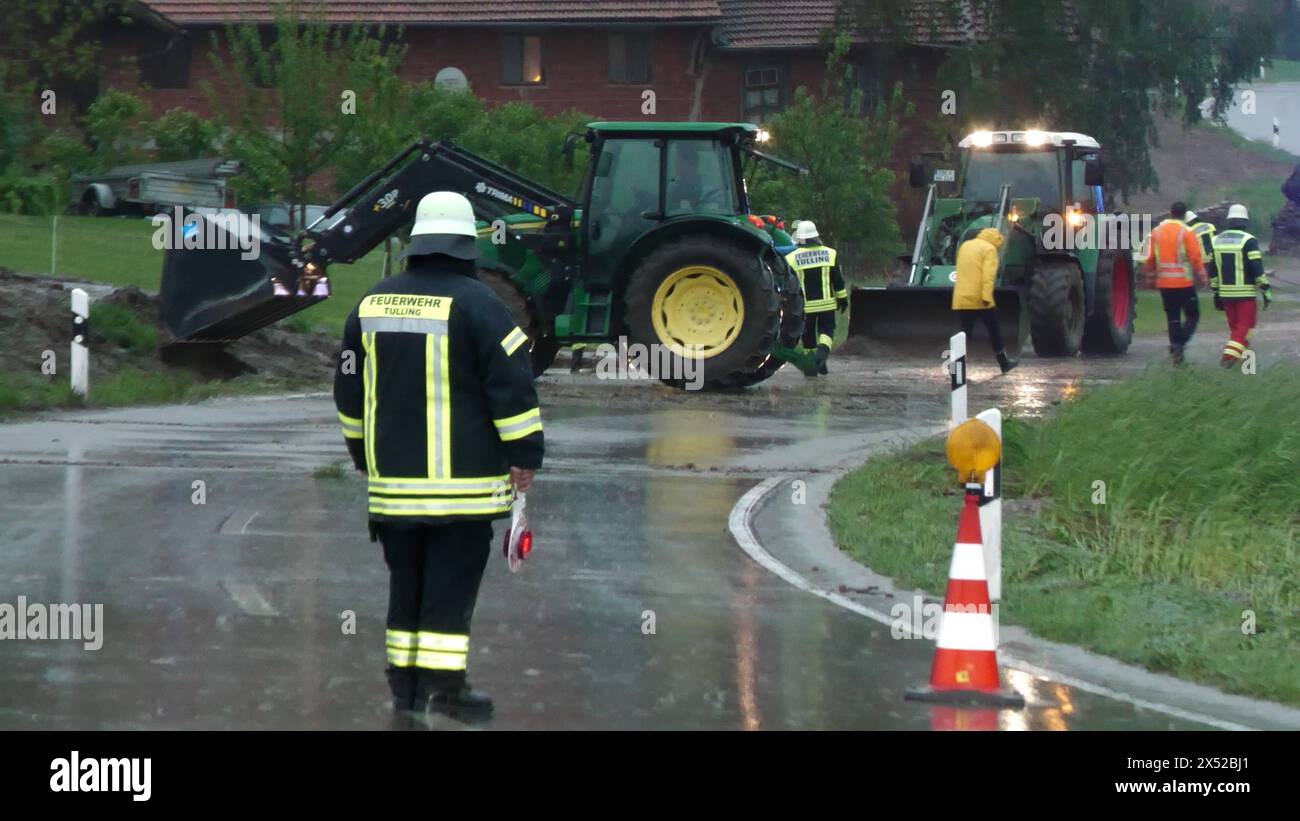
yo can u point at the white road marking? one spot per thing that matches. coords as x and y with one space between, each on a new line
249 598
739 523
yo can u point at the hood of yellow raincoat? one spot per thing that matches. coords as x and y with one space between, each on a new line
991 235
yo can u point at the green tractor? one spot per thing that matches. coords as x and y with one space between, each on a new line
1064 278
658 247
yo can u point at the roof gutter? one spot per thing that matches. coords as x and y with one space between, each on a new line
141 12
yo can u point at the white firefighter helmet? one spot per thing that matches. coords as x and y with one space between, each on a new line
806 230
444 224
1190 216
1238 212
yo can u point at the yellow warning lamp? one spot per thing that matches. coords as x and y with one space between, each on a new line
973 449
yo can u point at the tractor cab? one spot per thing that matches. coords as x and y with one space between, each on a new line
1047 172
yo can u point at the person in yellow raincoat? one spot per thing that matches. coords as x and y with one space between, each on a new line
972 292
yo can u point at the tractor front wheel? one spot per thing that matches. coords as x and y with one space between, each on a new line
1110 319
703 303
1056 309
542 346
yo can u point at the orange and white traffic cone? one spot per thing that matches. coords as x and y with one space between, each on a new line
965 667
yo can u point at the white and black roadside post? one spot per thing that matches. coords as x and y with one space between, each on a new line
957 368
80 342
991 511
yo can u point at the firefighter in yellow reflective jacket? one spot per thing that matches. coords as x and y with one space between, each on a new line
1204 232
435 394
1239 279
823 290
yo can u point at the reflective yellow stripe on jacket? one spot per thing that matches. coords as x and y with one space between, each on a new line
519 426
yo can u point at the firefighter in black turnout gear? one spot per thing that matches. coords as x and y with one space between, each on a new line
435 394
824 291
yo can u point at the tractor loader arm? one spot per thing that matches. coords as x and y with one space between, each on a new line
382 203
213 295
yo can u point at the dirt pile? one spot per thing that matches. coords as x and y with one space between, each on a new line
36 317
1286 225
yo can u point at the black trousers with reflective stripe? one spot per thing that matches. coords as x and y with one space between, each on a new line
815 324
434 574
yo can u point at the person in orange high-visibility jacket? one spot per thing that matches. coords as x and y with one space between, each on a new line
1175 265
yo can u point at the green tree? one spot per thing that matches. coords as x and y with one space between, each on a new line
1101 67
115 129
516 135
399 114
285 98
848 157
182 135
50 45
525 140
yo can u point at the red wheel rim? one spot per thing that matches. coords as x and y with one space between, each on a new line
1119 293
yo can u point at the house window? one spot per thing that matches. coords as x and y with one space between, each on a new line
763 93
629 58
165 65
864 79
521 60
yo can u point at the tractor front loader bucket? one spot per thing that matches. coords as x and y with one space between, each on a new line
232 281
921 321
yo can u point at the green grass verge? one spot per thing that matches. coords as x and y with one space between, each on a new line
1150 317
331 472
1241 142
1262 197
119 251
1201 523
1282 71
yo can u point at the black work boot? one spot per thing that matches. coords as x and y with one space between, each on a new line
1176 354
823 354
1005 362
402 683
451 695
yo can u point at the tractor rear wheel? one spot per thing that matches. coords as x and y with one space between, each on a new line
1110 319
704 303
542 346
1056 309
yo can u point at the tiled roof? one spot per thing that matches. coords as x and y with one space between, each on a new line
758 24
449 12
775 24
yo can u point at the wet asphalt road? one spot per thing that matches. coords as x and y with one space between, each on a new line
231 613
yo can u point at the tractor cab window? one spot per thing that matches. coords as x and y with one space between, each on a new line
1029 173
624 189
701 178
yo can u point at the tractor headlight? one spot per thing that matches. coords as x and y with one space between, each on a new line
764 135
1035 138
982 139
1075 218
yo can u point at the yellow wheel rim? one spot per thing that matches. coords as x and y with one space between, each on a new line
698 312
